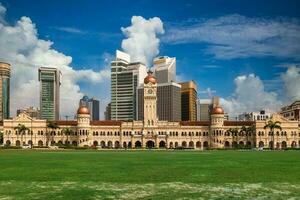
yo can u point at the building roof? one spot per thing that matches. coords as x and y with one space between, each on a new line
106 123
150 78
217 110
194 123
238 123
83 110
66 122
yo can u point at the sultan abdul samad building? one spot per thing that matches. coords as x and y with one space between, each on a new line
150 132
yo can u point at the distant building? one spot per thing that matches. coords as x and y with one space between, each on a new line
93 106
165 69
168 102
255 116
203 109
107 114
125 78
31 111
188 101
4 90
50 81
291 112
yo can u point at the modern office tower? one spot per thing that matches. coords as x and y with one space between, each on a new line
215 101
204 107
168 102
255 116
50 79
292 111
107 114
165 69
93 106
125 78
188 101
198 110
31 111
4 90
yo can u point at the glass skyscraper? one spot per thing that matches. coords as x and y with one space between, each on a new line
125 78
4 90
50 81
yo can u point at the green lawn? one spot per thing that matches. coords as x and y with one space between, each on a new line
74 174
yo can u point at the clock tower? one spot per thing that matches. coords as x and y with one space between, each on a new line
150 99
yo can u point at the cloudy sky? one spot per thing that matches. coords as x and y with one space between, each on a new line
247 52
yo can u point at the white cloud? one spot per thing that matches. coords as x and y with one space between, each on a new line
70 30
250 95
142 42
22 48
236 36
291 81
207 92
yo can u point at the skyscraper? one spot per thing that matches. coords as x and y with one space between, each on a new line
203 108
165 69
50 79
168 102
4 90
188 101
125 77
93 106
107 114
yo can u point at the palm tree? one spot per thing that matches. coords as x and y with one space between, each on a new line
234 131
21 128
1 137
272 126
52 125
67 131
250 129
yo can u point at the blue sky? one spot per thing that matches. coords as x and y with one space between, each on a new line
215 42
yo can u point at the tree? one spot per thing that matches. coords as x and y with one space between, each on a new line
272 126
250 129
1 137
67 131
234 132
21 128
51 125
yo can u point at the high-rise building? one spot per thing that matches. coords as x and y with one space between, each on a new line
292 111
4 90
31 111
92 104
203 109
50 81
165 69
125 78
107 114
168 99
255 116
188 101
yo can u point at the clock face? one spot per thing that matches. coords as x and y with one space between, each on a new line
150 91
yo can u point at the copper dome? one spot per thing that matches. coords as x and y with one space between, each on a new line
83 110
217 110
150 78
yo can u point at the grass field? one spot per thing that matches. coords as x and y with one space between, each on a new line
27 174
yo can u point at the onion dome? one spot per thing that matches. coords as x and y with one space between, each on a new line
83 110
150 78
217 110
